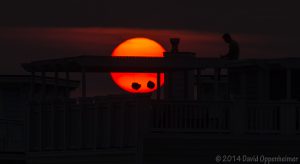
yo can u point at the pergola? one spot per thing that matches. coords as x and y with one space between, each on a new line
180 61
93 64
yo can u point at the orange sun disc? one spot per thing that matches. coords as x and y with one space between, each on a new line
134 82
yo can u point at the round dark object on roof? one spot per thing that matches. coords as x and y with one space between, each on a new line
136 86
150 84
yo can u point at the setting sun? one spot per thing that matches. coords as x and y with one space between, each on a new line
138 82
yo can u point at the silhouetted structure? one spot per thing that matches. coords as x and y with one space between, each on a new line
15 95
174 43
194 117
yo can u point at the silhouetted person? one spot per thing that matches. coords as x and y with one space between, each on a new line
136 86
150 85
233 48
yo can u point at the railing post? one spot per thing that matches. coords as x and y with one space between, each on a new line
121 124
82 106
287 118
96 129
42 105
28 112
108 128
66 105
53 109
237 117
143 127
283 119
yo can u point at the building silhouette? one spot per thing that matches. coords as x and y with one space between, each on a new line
15 96
207 107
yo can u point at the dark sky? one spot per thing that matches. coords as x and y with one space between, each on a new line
255 16
34 30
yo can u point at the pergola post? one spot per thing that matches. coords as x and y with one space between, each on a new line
217 72
168 85
186 84
158 92
56 83
43 86
288 84
32 86
199 84
83 83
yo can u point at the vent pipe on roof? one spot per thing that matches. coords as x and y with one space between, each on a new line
175 43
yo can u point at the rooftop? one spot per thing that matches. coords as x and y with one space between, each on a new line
16 79
146 64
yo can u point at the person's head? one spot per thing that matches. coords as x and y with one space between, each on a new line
227 38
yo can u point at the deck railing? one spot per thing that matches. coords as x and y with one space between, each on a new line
244 117
11 135
84 124
118 123
192 116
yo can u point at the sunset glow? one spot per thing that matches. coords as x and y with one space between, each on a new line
138 82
